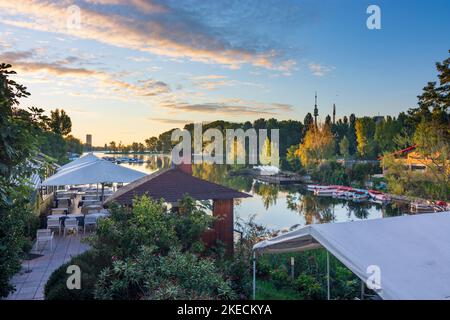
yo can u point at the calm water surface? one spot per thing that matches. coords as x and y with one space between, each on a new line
273 206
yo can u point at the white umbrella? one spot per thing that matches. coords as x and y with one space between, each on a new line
99 171
89 158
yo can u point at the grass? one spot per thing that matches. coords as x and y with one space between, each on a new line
265 290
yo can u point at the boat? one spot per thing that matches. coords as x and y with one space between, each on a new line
379 196
422 207
122 159
343 193
359 195
111 159
325 192
312 187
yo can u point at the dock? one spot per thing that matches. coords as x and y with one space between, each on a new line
280 179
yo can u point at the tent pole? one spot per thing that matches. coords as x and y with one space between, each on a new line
328 275
362 289
254 275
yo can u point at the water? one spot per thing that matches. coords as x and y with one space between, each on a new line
276 207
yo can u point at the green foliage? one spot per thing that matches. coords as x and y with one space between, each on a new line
330 172
176 275
310 280
74 145
18 145
59 122
365 131
90 265
280 278
308 287
147 252
344 146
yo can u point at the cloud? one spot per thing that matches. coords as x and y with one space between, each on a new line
224 108
22 62
319 69
138 59
213 81
153 27
171 121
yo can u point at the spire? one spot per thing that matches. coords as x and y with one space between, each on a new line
334 113
316 110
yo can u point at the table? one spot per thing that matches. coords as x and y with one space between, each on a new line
63 210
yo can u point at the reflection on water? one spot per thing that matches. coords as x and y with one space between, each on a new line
274 206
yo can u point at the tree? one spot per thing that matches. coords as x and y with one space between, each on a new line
351 134
60 122
307 122
293 158
432 140
365 130
344 147
18 146
151 144
135 147
74 144
112 146
317 145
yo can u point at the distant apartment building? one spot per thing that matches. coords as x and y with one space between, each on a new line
89 140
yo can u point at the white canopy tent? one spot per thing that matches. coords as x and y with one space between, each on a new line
412 252
99 171
88 158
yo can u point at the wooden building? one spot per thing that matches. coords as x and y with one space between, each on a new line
172 184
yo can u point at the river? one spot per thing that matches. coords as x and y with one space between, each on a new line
273 206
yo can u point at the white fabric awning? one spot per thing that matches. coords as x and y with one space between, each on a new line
100 171
88 158
412 252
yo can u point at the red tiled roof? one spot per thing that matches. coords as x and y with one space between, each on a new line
396 153
171 185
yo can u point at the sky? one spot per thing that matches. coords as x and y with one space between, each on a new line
126 70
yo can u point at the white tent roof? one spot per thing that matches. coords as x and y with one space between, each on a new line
88 158
100 171
412 252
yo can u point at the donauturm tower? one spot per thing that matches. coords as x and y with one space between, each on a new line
334 113
316 111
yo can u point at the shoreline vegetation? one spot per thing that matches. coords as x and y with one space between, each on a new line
139 269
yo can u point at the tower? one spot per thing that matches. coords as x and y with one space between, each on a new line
316 110
334 113
89 140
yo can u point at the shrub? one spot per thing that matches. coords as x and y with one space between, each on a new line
90 265
280 277
308 287
176 275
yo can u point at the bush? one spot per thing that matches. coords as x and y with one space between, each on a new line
330 172
174 276
280 278
90 265
308 287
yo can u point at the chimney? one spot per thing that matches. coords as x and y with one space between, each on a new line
185 167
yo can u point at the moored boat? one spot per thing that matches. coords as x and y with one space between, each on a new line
343 192
326 192
312 187
379 196
359 195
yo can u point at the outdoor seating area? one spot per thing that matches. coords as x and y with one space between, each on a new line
76 207
82 186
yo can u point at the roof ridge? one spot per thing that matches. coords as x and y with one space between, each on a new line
135 184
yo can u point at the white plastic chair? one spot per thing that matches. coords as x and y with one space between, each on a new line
70 224
89 220
44 235
53 222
